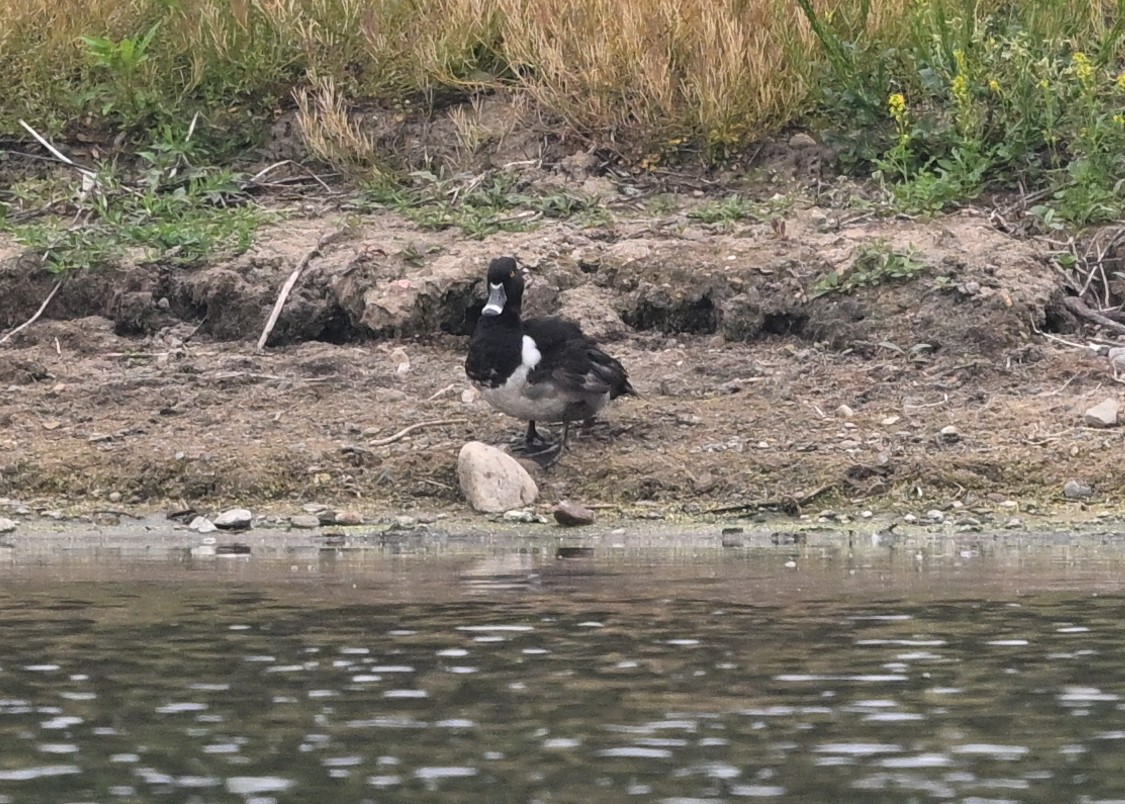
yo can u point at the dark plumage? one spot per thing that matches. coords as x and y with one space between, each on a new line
541 369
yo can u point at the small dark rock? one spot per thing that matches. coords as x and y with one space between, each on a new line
571 515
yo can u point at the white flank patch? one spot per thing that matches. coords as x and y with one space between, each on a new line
530 356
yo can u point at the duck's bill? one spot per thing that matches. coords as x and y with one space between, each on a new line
497 298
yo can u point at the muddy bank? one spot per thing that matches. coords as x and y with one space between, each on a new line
779 369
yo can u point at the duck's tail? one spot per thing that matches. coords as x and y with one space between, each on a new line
610 371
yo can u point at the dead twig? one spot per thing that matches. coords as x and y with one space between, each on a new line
441 392
1080 309
290 282
405 431
38 312
790 504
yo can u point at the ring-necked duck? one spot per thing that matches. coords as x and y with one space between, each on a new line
541 369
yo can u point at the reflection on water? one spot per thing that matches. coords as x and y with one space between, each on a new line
535 681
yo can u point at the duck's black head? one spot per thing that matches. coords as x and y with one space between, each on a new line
505 287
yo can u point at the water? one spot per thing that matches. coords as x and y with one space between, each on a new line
495 675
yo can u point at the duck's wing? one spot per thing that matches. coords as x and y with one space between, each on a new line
552 334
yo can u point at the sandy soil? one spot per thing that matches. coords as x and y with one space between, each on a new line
142 385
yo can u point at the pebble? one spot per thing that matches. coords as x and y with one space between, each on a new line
348 518
1077 490
571 515
305 521
1103 414
866 514
522 515
405 521
493 481
949 434
234 519
53 513
313 508
845 411
7 525
910 518
202 524
115 496
935 515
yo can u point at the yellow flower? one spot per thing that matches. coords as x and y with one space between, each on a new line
1044 83
1119 119
897 105
1082 67
961 89
994 85
1121 81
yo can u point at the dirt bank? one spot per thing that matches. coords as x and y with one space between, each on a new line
745 338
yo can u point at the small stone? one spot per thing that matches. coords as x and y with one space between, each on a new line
105 518
520 515
234 519
348 518
935 515
1014 522
202 524
1116 357
1077 490
493 481
7 525
571 515
305 521
115 496
910 518
800 141
404 521
866 514
1103 414
313 508
887 422
53 513
845 412
949 434
1009 504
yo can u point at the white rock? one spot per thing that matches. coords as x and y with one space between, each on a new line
949 434
202 524
935 515
845 412
7 525
1103 414
234 519
493 481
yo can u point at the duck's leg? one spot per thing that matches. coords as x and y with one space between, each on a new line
533 441
532 444
549 457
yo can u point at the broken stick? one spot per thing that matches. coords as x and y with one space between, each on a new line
290 282
38 312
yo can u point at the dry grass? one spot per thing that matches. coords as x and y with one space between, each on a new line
642 76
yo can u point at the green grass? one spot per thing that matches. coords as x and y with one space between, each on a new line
167 211
876 263
490 203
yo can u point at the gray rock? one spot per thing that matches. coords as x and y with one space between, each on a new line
493 481
845 411
1116 357
115 496
523 515
234 519
1103 414
801 141
1077 490
949 434
571 515
7 525
305 521
202 524
347 518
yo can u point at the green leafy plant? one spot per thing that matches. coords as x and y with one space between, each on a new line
122 95
875 264
728 210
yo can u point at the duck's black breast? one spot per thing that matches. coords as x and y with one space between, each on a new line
494 353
